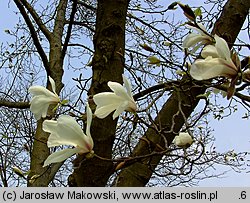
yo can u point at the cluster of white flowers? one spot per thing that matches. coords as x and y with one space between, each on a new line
218 59
65 130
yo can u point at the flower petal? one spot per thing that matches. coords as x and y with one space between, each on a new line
104 111
106 98
209 50
183 140
69 131
127 86
41 100
176 140
53 85
89 120
66 132
192 39
40 112
119 90
87 146
122 107
203 28
39 106
211 67
60 156
131 107
222 48
106 103
195 48
50 126
39 90
196 40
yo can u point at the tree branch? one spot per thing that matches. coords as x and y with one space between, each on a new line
138 174
236 94
37 19
82 24
40 150
110 30
33 35
71 20
60 19
17 105
166 86
83 46
87 6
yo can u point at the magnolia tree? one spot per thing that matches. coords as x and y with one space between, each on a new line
106 93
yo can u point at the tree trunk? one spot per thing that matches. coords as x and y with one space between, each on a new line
107 65
40 151
138 174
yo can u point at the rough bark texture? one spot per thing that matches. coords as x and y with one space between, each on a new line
40 150
138 174
109 44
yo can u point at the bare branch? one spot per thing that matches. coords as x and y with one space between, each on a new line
87 6
71 20
34 36
82 24
60 19
237 94
81 45
37 19
166 86
17 105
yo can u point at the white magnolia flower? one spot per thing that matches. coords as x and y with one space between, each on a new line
217 62
196 40
119 100
66 131
183 140
42 98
